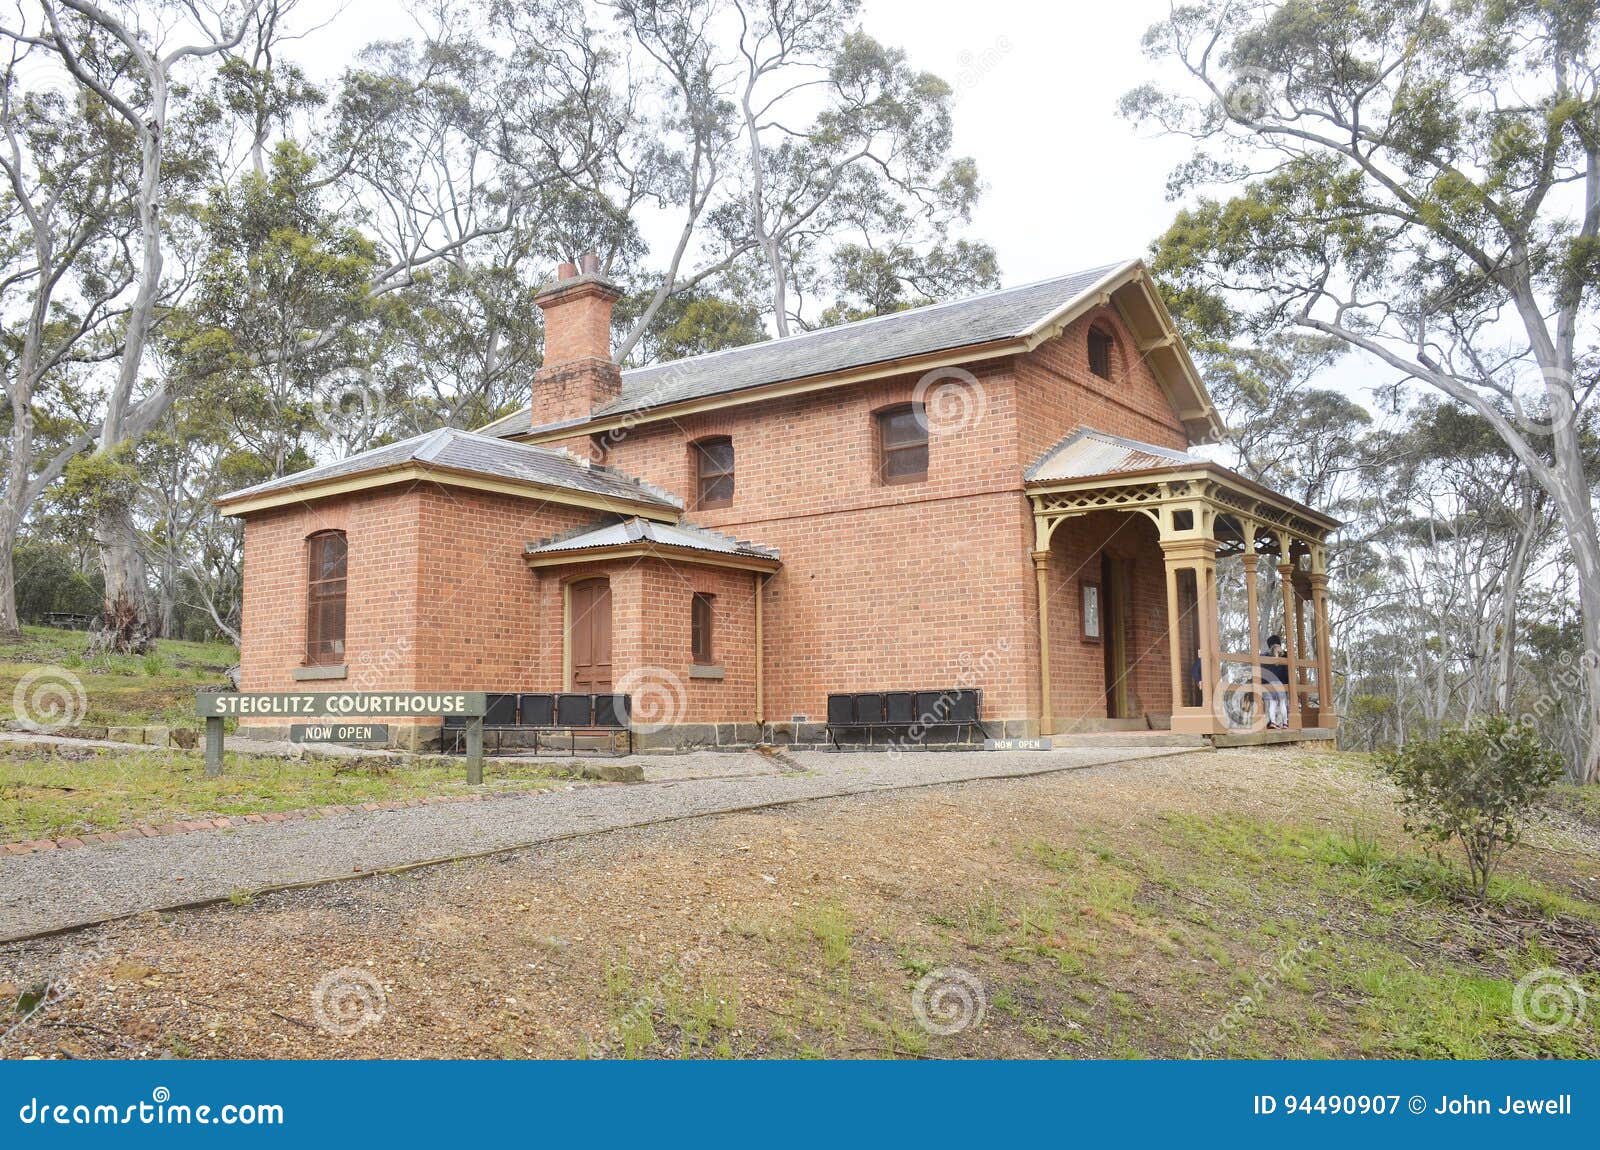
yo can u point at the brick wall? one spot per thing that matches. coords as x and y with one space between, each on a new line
1056 391
1078 671
480 619
882 587
382 563
921 585
438 596
665 688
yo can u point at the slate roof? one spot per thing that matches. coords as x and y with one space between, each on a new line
999 315
684 535
1089 452
455 450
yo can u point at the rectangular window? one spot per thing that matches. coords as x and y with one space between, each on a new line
325 598
1100 352
700 629
902 446
714 472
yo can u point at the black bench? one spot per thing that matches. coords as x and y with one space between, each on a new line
905 711
533 715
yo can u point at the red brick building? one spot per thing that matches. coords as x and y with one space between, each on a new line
992 493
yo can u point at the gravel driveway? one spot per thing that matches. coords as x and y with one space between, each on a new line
52 890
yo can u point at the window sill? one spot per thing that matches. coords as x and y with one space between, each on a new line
321 671
706 671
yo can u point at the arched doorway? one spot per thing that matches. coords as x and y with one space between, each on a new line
589 636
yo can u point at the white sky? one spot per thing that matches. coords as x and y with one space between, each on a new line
1068 183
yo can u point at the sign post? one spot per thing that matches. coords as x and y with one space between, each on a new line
215 706
475 750
213 747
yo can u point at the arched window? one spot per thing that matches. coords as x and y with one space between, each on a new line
902 445
1101 344
325 584
713 472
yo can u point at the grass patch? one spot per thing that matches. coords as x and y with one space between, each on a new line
82 792
683 1010
121 690
1580 801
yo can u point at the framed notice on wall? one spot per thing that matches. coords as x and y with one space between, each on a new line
1091 610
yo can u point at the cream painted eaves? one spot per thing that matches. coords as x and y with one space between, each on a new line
647 550
416 472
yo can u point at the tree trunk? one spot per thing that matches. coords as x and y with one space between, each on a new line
10 625
125 626
1506 665
768 241
125 622
1589 597
11 512
168 600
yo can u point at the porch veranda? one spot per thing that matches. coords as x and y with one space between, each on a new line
1204 514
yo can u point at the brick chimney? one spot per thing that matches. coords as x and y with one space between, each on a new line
578 374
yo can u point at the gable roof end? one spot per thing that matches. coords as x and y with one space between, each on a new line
1089 452
640 536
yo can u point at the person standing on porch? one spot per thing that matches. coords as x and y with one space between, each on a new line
1275 683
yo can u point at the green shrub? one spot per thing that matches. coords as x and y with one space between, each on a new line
1474 785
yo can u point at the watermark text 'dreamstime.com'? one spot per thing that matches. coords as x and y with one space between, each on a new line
158 1110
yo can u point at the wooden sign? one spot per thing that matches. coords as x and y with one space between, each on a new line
349 709
1016 744
364 733
339 704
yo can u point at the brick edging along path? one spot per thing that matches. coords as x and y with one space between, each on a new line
189 826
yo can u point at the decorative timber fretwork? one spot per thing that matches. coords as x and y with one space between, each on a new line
1067 503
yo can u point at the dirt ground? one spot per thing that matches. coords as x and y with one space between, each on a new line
1123 910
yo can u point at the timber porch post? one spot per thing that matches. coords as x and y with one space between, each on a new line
1326 715
1253 606
1195 552
1041 573
1291 643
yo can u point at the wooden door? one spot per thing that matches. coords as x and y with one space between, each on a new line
1115 586
589 635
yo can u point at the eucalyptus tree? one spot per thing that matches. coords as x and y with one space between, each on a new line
875 159
1418 181
279 326
134 58
66 226
471 156
882 275
794 153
